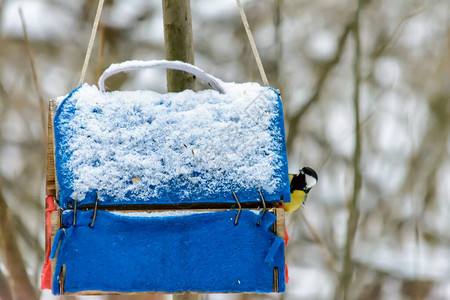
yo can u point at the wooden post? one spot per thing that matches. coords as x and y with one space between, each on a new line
178 42
50 186
179 46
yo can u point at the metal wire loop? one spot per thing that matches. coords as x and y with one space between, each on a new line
264 207
74 211
239 210
95 212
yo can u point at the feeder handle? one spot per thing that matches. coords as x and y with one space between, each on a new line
160 64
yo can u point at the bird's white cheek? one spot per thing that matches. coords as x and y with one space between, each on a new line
310 181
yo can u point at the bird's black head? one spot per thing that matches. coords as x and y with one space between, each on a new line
305 180
310 172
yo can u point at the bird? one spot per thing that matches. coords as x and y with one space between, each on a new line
301 184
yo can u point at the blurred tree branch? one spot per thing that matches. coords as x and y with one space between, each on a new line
5 292
3 92
101 51
2 4
388 41
34 73
353 209
21 285
278 8
315 234
31 240
294 120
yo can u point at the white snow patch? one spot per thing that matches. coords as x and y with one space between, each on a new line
138 142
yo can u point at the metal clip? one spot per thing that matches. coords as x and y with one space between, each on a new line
264 207
74 211
95 212
239 211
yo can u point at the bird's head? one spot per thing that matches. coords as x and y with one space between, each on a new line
304 180
310 176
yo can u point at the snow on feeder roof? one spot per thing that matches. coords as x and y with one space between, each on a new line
142 147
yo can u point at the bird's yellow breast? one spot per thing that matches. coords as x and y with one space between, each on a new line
297 199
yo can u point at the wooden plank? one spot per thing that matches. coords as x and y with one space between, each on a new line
280 231
279 227
183 206
55 219
272 210
50 181
275 280
103 293
50 186
62 279
186 296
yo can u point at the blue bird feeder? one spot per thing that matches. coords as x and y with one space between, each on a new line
169 192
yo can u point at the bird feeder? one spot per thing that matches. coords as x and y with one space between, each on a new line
166 192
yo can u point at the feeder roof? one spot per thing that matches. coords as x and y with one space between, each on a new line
142 147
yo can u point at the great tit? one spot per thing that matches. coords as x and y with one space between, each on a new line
301 184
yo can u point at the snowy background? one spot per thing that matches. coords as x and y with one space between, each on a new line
402 243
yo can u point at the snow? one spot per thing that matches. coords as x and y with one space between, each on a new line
140 142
